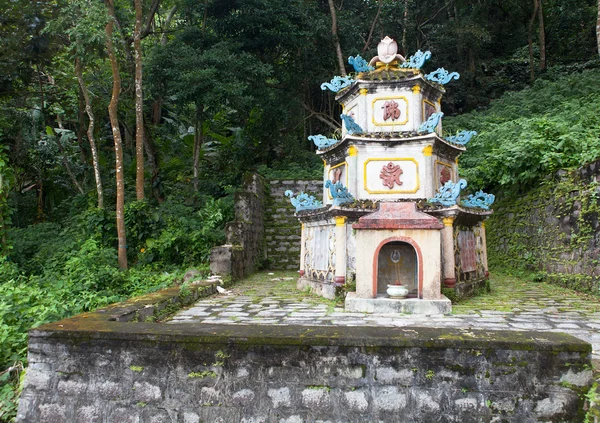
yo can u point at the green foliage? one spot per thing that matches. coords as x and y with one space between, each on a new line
58 269
6 180
304 165
526 135
550 232
11 385
187 235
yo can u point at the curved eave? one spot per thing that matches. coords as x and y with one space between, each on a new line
330 212
352 90
372 138
462 214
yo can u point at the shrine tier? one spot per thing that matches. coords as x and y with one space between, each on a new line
389 167
391 101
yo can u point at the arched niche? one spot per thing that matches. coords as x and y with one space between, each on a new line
398 261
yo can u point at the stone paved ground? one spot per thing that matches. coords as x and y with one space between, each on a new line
514 304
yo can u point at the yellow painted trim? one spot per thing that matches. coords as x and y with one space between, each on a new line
388 159
448 221
456 161
428 150
340 220
423 108
328 176
363 91
352 151
388 98
482 225
416 89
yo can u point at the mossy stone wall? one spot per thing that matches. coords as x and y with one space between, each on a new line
92 369
282 228
552 229
244 250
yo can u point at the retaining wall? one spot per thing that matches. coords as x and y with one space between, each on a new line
106 367
553 229
282 228
245 235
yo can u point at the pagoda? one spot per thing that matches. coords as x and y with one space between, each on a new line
392 218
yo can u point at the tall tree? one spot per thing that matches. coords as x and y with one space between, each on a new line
336 38
90 132
139 102
530 40
598 28
542 35
114 123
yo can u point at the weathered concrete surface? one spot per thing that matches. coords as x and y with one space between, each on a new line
513 304
384 305
99 367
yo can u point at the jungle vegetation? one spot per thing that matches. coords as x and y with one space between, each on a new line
126 126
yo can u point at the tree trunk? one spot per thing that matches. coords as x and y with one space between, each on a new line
114 123
65 161
163 37
598 28
198 138
530 41
39 185
336 40
139 103
81 127
154 167
405 29
542 35
204 19
372 28
90 133
3 212
158 101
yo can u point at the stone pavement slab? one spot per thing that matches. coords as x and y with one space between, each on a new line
513 304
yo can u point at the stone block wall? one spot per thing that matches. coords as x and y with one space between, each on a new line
553 229
245 235
282 229
96 368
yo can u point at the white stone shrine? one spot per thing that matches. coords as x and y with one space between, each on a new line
392 218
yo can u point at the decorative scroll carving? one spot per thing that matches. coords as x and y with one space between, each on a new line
441 76
390 174
351 126
448 194
322 142
430 124
337 83
303 201
479 200
462 137
390 110
417 60
360 64
339 193
445 175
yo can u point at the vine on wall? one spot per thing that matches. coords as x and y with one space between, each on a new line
552 229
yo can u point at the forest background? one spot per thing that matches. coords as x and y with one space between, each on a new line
126 126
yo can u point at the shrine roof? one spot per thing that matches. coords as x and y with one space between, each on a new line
398 215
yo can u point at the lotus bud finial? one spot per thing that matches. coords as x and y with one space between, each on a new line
387 50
